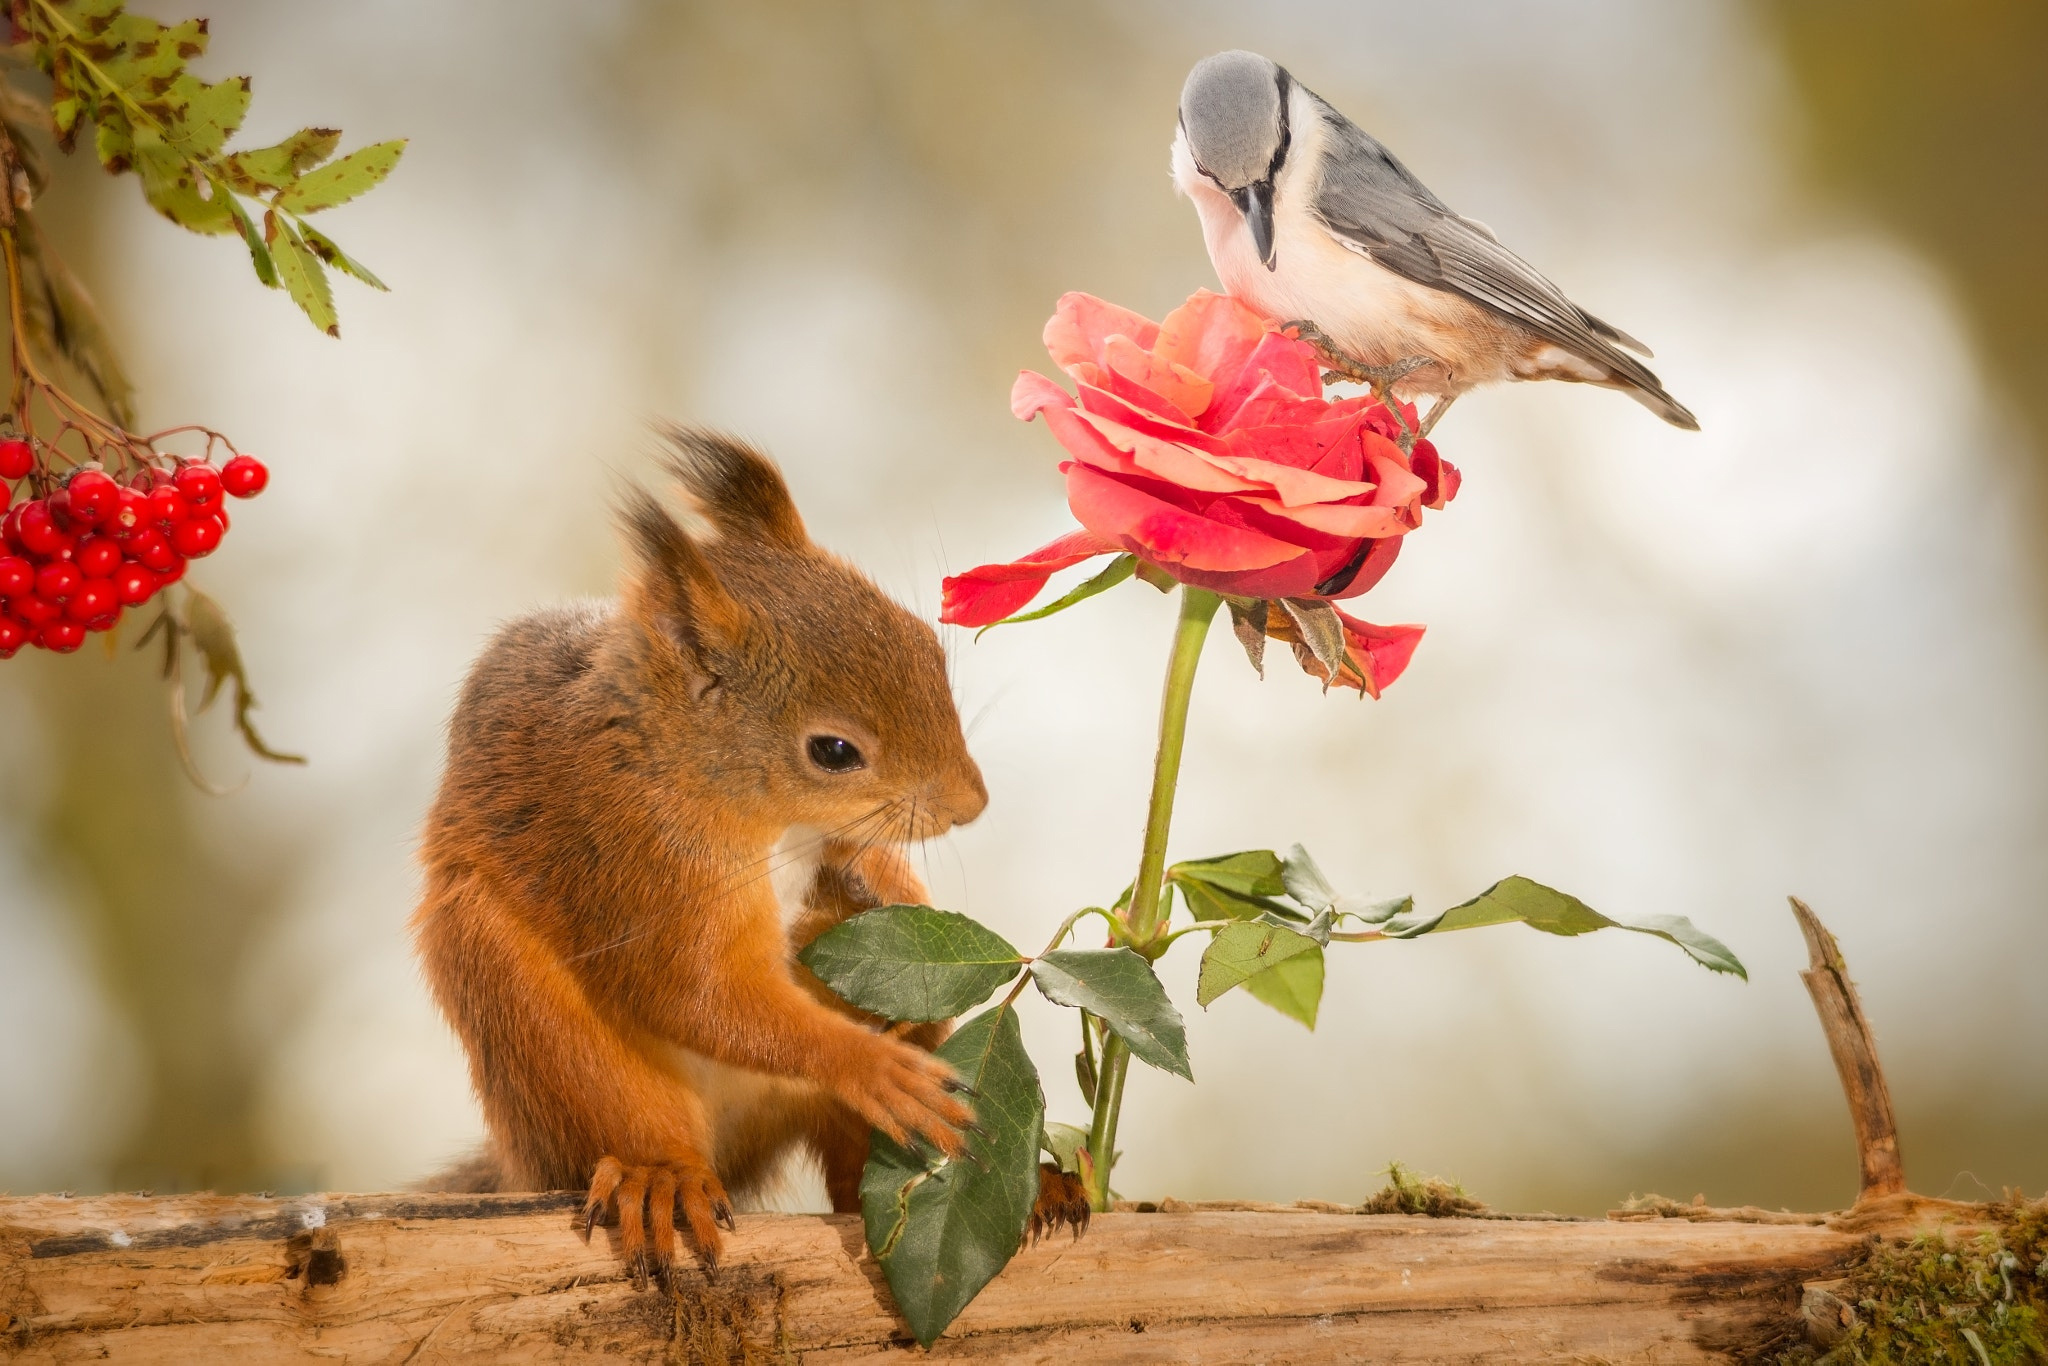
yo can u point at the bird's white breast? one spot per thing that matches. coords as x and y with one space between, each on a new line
1374 314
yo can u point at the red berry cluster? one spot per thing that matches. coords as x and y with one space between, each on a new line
72 561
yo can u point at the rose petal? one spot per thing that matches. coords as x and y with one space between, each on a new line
1081 323
1033 392
1349 520
1384 651
1278 361
1185 391
990 592
1211 334
1175 538
1440 478
1167 460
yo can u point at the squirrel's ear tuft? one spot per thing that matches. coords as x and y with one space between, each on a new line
737 489
675 593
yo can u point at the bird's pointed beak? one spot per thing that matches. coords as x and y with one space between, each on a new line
1255 202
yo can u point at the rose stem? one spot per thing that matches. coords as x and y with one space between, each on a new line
1197 608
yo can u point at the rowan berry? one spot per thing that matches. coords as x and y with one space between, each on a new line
93 497
244 476
166 504
94 598
16 576
196 536
58 580
200 483
17 458
149 546
134 583
13 635
38 531
60 636
34 610
98 557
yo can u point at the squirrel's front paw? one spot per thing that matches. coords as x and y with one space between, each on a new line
905 1092
644 1200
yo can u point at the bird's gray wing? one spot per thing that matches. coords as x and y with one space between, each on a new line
1368 198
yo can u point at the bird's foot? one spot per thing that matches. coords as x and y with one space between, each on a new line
1437 410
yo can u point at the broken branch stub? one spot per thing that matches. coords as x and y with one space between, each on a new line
1855 1054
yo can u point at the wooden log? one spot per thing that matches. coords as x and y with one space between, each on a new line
414 1278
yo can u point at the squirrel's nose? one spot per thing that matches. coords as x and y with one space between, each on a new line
965 797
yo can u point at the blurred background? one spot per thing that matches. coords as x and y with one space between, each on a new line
1800 652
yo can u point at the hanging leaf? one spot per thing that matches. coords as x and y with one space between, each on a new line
1322 635
1248 624
340 181
1293 986
911 962
942 1231
323 247
1113 574
1119 987
214 638
1237 952
300 272
63 321
1554 912
259 254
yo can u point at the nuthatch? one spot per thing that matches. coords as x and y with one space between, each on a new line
1310 220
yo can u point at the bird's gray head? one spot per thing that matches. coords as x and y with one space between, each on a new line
1233 111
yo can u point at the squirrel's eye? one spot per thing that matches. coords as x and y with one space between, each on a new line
835 755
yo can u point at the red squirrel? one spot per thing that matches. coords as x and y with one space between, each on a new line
649 806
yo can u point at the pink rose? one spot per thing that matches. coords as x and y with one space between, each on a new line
1203 445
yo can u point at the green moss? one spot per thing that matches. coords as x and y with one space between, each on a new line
1407 1193
1980 1300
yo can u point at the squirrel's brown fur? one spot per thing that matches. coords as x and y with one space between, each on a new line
601 923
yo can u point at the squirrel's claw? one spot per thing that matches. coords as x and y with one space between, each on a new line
645 1201
1062 1199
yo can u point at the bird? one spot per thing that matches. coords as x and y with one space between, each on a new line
1313 222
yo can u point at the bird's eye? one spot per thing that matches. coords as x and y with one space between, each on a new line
834 754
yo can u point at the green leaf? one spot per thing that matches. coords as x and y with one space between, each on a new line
1209 902
1254 872
112 142
340 181
942 1231
1064 1144
1305 882
273 168
199 118
1157 577
259 254
300 272
911 962
323 247
1112 574
1555 912
1293 986
1119 987
168 185
1237 952
214 637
